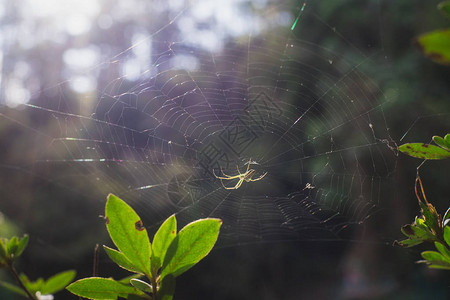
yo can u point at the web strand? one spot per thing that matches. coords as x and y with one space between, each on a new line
268 101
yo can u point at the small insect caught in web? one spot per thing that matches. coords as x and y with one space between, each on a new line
246 176
309 186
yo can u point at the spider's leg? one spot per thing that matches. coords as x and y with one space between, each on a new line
259 178
227 176
262 176
223 184
238 185
237 168
214 173
229 188
248 165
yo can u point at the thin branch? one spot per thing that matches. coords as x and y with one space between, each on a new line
95 263
16 276
421 188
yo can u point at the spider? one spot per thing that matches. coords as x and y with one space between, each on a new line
247 176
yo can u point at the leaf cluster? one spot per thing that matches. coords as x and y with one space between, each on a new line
430 227
10 250
41 286
169 255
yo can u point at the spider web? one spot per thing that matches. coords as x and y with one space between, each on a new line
292 108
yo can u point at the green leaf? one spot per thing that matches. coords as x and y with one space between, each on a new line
444 7
443 250
410 242
13 244
13 288
434 257
22 245
431 216
167 288
442 267
447 234
420 222
436 45
101 288
192 243
122 260
162 240
58 282
441 142
141 285
408 230
447 139
128 233
2 248
413 231
32 286
424 151
24 278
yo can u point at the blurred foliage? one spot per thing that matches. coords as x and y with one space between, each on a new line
7 226
444 7
436 45
10 250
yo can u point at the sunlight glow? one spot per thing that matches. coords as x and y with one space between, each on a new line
207 24
73 16
185 62
210 22
131 69
81 59
15 93
83 84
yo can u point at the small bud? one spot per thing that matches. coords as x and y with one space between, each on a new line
44 297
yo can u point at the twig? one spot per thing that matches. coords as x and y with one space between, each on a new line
16 276
95 266
421 188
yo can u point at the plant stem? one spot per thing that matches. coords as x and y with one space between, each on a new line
16 276
154 290
95 263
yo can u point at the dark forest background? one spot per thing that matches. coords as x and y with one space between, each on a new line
63 222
